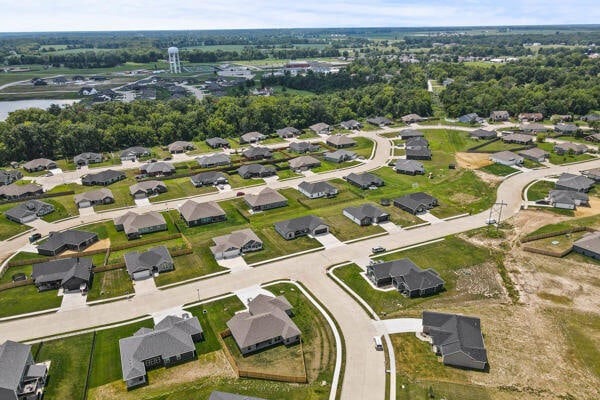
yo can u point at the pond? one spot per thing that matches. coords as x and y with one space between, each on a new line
7 107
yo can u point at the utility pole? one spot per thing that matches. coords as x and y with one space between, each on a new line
496 210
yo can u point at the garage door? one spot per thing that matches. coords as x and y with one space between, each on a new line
141 275
320 231
84 204
140 196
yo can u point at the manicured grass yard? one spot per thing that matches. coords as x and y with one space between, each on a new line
237 181
287 174
498 169
329 166
499 145
64 207
171 244
187 267
107 230
539 190
363 148
112 283
564 159
9 228
26 299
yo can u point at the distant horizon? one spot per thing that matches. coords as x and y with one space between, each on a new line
61 16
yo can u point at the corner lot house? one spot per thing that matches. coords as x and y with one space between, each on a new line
71 239
266 323
497 116
157 169
70 274
304 163
406 277
535 154
287 132
266 199
506 158
339 156
314 190
340 141
170 342
568 199
103 178
211 178
14 191
248 171
180 146
135 225
9 176
28 211
568 147
87 158
409 167
321 128
194 213
39 164
20 377
366 214
307 225
456 338
304 147
352 125
365 180
132 153
142 265
252 137
217 142
589 245
257 153
410 133
235 244
94 198
145 189
380 121
577 183
416 203
214 160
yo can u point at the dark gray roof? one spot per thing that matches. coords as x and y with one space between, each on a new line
256 151
309 222
288 130
103 176
10 175
62 269
216 395
590 242
13 359
566 146
567 196
73 237
535 152
453 333
351 123
255 169
252 136
135 150
180 145
569 128
483 134
408 133
146 260
264 197
216 141
380 121
414 277
575 182
28 208
145 186
409 165
160 167
87 156
414 200
219 158
340 154
364 179
209 177
94 195
367 210
14 190
418 152
417 141
302 146
317 187
39 162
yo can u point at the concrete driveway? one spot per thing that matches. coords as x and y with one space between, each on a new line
86 211
72 301
328 240
145 286
430 218
142 202
389 226
235 264
399 325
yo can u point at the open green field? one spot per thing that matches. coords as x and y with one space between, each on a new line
539 190
108 284
498 169
26 299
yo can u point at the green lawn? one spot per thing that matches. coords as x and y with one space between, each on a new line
499 145
108 284
564 159
26 299
9 228
527 163
187 267
10 271
498 169
287 174
171 245
69 366
181 187
539 190
107 230
64 207
363 148
330 166
237 181
591 222
448 140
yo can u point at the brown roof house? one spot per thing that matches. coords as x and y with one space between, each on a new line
135 225
266 323
304 163
180 146
39 164
518 138
145 189
340 141
194 213
235 244
252 137
531 117
266 199
321 128
94 198
14 191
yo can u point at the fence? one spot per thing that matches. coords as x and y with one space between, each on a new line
548 253
18 263
41 196
556 233
11 285
136 243
241 373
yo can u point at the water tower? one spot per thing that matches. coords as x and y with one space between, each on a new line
174 63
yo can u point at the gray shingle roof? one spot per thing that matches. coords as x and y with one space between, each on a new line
414 200
304 161
214 159
28 208
192 211
517 137
85 157
14 190
301 147
287 131
234 240
256 169
209 178
317 187
94 195
180 145
340 140
309 222
39 162
590 242
135 150
103 176
506 156
536 152
133 222
146 186
567 196
264 197
72 237
216 142
414 277
350 124
160 167
483 134
257 151
252 136
380 121
409 165
146 260
409 133
62 269
364 179
367 210
13 359
574 182
340 155
216 395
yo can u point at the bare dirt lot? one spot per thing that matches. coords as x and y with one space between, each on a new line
99 245
472 160
593 209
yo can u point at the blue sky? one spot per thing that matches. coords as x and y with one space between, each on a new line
70 15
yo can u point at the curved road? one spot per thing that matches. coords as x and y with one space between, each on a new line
364 375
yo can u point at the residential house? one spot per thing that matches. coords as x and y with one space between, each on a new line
210 178
410 133
288 132
94 198
248 171
577 183
170 342
364 180
482 134
194 213
157 169
87 91
417 142
315 190
214 160
594 137
71 239
70 274
417 148
518 138
498 116
321 128
135 225
304 147
566 129
39 164
180 146
471 118
592 174
406 277
339 156
145 189
352 125
87 158
303 163
570 147
530 117
9 176
380 121
266 323
532 128
456 338
266 199
133 153
217 395
235 244
217 142
60 80
561 118
103 178
28 211
252 137
340 141
14 191
591 117
568 199
506 158
20 377
535 154
308 225
412 118
142 265
257 153
366 214
409 167
588 245
416 203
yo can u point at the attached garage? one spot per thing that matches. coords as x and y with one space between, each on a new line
84 204
321 230
141 275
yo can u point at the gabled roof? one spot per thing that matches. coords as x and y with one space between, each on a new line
255 169
380 121
319 126
505 156
483 134
72 237
302 146
135 150
264 197
340 140
62 270
517 137
566 146
13 359
256 151
288 130
158 167
216 141
216 395
38 162
533 127
14 190
414 200
364 179
535 152
103 176
308 222
409 133
367 210
351 123
567 196
28 208
133 222
417 141
146 260
251 136
234 240
94 195
218 158
411 274
180 145
192 211
409 165
566 127
87 156
146 186
590 242
208 177
338 154
575 182
498 114
303 161
317 187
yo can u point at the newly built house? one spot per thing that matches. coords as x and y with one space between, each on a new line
248 171
315 190
507 158
364 180
408 278
70 274
214 160
366 214
266 199
416 203
28 211
144 264
577 183
135 225
39 164
71 239
235 244
94 198
301 226
194 213
340 141
145 189
21 378
103 178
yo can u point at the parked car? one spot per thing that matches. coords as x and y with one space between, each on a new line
240 193
167 158
378 249
490 221
34 237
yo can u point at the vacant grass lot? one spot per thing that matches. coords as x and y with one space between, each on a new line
539 190
592 222
498 169
187 267
108 284
26 299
